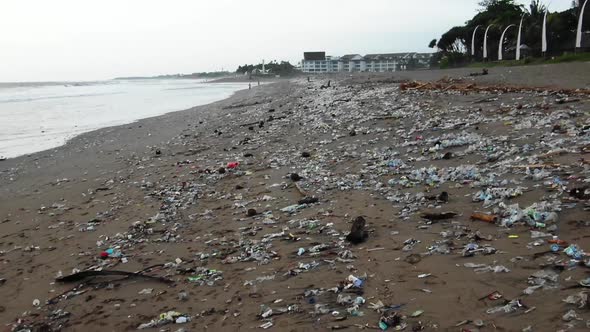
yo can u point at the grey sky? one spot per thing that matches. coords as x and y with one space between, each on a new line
91 40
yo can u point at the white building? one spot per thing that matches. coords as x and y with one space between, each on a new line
318 62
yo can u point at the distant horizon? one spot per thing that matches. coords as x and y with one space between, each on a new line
73 41
156 76
94 81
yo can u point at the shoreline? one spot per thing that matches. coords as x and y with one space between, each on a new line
74 135
359 148
76 143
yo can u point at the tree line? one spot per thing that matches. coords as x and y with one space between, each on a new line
283 68
454 46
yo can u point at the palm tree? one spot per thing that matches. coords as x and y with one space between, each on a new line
534 24
536 9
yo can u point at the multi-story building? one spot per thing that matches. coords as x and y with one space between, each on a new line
318 62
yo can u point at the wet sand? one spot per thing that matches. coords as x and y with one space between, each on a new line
59 209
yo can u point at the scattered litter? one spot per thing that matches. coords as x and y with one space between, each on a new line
165 318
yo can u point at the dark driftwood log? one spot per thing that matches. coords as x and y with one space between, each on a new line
127 275
439 216
86 274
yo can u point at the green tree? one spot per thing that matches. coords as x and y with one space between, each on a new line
561 27
454 40
283 68
456 43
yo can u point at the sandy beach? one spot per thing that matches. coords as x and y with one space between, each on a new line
207 198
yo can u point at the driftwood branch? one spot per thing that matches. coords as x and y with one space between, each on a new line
90 273
300 190
537 166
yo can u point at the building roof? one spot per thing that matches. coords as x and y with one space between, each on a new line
314 55
396 56
389 56
368 57
384 56
349 57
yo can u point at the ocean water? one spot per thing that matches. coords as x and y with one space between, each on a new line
39 116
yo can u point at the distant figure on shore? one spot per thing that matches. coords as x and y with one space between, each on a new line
249 86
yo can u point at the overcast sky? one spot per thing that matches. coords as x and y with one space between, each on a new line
44 40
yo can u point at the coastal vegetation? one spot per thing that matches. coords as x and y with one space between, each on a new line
283 68
454 47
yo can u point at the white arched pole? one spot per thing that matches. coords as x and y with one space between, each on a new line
502 42
544 36
473 41
518 39
485 42
579 31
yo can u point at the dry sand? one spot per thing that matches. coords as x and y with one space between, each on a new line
114 178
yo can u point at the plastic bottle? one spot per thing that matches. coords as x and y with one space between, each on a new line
551 217
355 281
574 252
557 241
